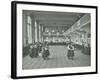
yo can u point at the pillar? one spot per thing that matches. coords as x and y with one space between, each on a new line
33 29
36 31
39 33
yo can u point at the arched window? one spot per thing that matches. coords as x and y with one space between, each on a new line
29 29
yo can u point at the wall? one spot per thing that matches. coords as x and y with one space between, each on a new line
5 40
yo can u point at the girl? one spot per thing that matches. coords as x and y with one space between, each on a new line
70 53
46 52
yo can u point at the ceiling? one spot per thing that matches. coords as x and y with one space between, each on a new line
55 19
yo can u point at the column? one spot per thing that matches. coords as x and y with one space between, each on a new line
36 31
39 33
43 30
33 29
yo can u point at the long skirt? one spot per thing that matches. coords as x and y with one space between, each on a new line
34 53
46 54
70 53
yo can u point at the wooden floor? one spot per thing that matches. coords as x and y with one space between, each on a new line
58 59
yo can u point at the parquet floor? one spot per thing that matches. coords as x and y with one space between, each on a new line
58 59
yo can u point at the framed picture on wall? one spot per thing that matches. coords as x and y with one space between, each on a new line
50 39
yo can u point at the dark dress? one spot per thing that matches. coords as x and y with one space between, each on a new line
34 52
70 52
40 48
46 53
26 51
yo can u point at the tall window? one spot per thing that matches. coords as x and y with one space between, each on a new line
29 29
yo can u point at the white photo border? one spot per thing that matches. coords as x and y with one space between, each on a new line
20 6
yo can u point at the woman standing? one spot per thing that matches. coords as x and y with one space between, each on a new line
46 52
70 53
